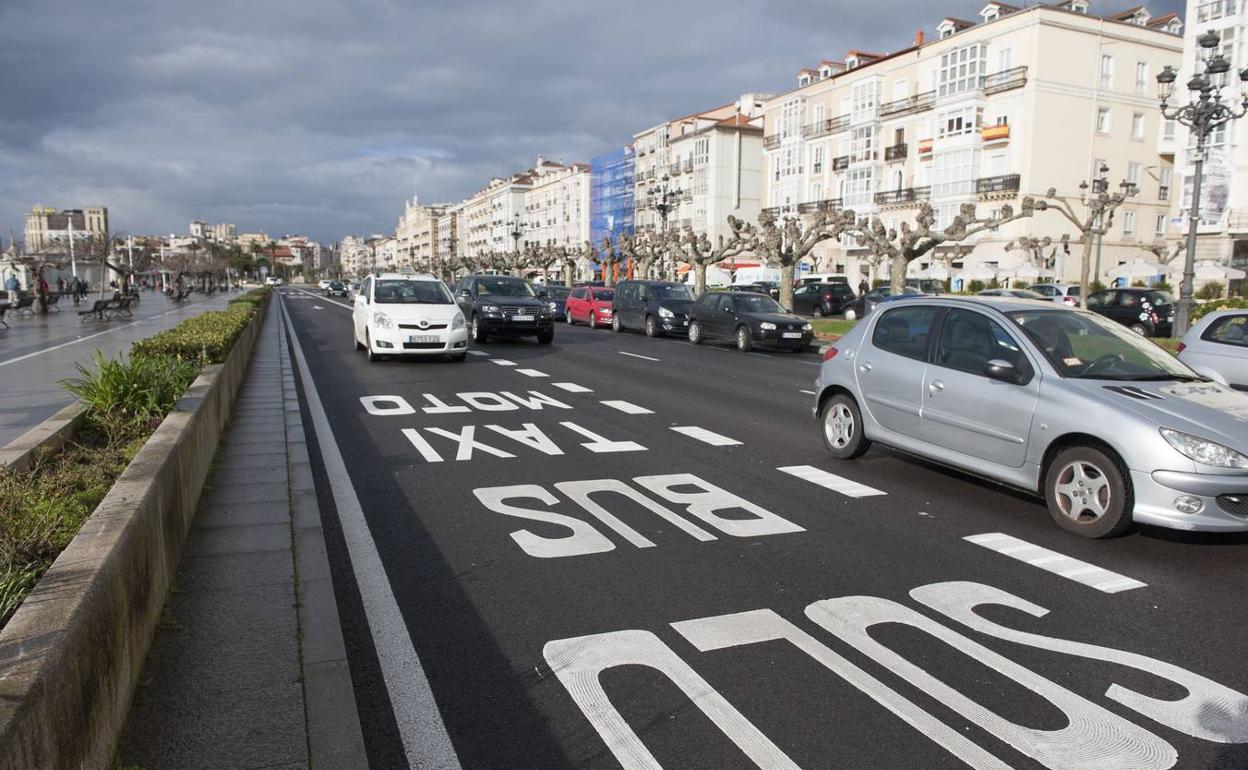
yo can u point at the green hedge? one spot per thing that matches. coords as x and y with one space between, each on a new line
1234 303
206 338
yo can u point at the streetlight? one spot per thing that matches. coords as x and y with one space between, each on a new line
516 232
664 200
1203 114
1099 186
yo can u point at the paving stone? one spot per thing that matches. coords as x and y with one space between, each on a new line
239 539
245 493
242 514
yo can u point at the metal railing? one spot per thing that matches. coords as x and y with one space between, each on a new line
896 152
908 105
827 204
771 142
997 184
825 127
841 163
1004 80
905 195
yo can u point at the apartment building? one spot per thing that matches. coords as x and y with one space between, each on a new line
1011 104
416 234
48 228
556 205
490 216
705 167
355 256
446 245
222 232
611 190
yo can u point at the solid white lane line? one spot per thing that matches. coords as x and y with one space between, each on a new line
421 729
626 407
532 373
636 355
324 299
847 487
572 387
706 436
1070 568
477 353
807 392
502 362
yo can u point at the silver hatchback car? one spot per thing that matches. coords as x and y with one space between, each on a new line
1217 347
1064 403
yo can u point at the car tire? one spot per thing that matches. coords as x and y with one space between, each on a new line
546 337
744 343
652 326
818 311
479 334
368 348
695 333
840 422
355 339
616 325
1139 329
593 320
1088 492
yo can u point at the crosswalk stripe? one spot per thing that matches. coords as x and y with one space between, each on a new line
532 373
477 353
1051 561
705 436
572 387
831 481
636 355
626 407
502 362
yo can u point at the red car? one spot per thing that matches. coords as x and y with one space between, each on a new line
590 304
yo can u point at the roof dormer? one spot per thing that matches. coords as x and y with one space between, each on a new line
1077 6
993 11
806 76
1171 22
1138 16
950 26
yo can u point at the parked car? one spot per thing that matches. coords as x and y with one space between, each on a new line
1217 347
1147 312
556 295
590 304
769 288
748 318
1015 293
926 285
407 315
821 299
273 280
506 306
806 278
323 285
335 289
1062 293
865 303
1064 403
658 307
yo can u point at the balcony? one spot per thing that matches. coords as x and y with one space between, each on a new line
771 142
996 134
841 163
1004 80
688 166
896 152
902 197
825 127
909 105
674 169
990 185
826 205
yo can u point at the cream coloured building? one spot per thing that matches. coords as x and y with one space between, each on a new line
556 205
416 234
489 217
355 256
1011 104
47 228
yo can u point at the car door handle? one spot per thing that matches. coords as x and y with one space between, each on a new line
935 386
866 367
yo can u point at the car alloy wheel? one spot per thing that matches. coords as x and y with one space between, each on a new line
842 427
593 320
695 333
818 311
743 339
1087 493
1139 329
478 334
652 326
616 326
1083 492
567 317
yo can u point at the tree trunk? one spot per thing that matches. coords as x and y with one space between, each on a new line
569 273
897 274
608 273
1085 268
786 284
699 278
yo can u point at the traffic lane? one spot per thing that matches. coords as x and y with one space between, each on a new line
750 399
853 568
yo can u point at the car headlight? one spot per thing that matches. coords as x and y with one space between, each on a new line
665 313
489 309
381 320
807 327
553 307
1204 451
458 321
547 309
767 326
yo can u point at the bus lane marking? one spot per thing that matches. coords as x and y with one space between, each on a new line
1059 564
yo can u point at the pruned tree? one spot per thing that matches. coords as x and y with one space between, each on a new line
788 245
1165 255
1098 217
701 254
900 247
648 248
608 256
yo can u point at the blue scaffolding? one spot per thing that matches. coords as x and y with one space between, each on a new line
611 195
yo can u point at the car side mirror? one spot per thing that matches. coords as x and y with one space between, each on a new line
1004 371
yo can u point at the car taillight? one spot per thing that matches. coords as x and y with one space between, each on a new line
1180 348
1153 315
830 354
1070 301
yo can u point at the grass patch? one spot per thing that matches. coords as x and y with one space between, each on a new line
831 327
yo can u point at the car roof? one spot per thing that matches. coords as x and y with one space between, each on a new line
406 277
1002 304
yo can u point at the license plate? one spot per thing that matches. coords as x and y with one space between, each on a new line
422 338
522 318
792 335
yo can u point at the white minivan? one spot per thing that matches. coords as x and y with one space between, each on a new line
408 315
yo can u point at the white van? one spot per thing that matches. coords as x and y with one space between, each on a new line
806 278
746 275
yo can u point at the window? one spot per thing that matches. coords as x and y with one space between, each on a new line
1167 130
1107 71
1133 173
1141 77
866 98
1005 59
1163 189
1228 330
1137 126
1160 228
961 70
1128 222
862 143
953 172
1101 299
905 331
816 160
1102 120
858 187
969 340
958 122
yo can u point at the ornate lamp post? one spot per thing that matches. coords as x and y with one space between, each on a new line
664 200
1203 114
1099 187
516 232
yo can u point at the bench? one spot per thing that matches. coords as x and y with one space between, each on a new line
98 311
26 303
4 308
52 300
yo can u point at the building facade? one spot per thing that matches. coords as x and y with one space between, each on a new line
47 228
355 256
556 205
985 113
489 217
611 194
417 234
222 232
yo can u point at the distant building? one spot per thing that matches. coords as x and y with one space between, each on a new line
611 194
556 205
246 240
47 228
223 232
355 256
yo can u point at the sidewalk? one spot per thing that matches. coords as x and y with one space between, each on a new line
38 351
248 669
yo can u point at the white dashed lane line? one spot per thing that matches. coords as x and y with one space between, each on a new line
502 362
705 436
626 407
477 353
636 355
807 392
531 372
572 387
831 481
1051 561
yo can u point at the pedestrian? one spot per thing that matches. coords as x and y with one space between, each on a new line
12 285
43 294
60 285
863 287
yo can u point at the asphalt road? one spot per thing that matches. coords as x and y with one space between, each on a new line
552 556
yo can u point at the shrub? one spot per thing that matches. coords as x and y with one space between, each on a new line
1020 284
1164 286
1211 290
128 395
974 287
1234 303
1139 284
1096 286
204 339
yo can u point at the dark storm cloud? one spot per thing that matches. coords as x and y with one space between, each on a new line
318 116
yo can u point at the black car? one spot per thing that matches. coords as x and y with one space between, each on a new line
556 296
760 287
820 299
502 305
336 289
748 318
658 307
1148 312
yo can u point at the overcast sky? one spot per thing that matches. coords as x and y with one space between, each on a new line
321 116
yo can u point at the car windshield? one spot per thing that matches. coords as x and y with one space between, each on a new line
393 292
756 303
604 294
1160 298
1088 346
501 286
671 292
838 288
558 292
335 285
